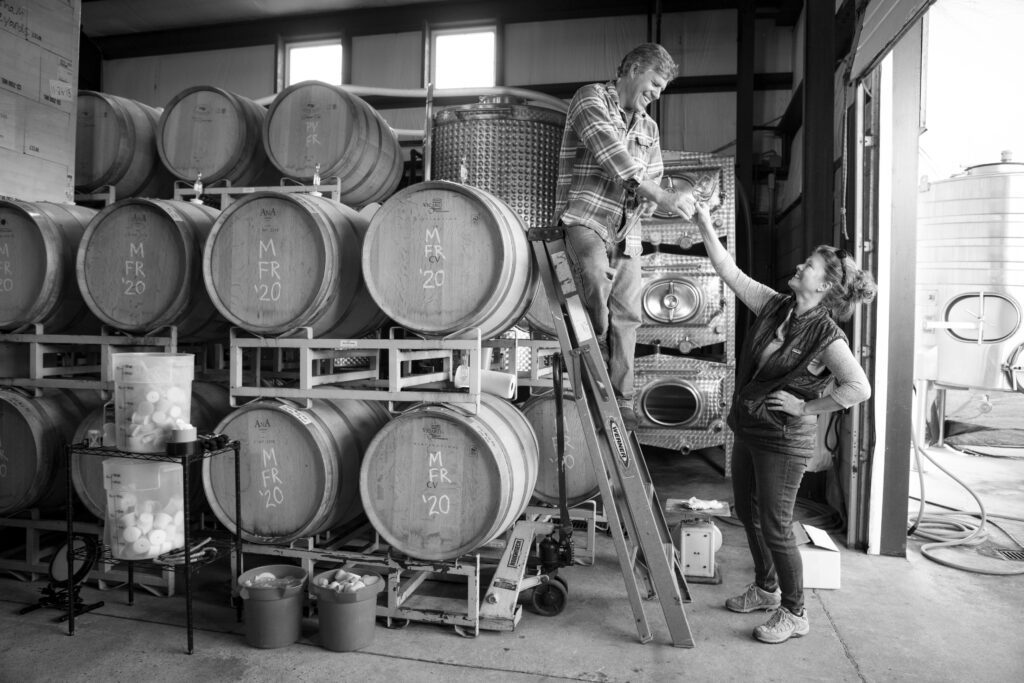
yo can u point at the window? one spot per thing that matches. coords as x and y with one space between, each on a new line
464 59
319 61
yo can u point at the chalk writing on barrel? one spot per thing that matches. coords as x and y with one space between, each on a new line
268 287
270 482
134 279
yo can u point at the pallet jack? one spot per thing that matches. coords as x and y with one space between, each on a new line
550 592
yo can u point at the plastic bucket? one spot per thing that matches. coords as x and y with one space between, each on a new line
145 508
152 397
273 607
347 619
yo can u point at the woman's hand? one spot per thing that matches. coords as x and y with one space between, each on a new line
785 402
702 216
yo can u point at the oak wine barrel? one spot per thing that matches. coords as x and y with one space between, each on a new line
437 482
210 404
33 431
299 466
139 267
581 483
115 145
538 315
274 262
312 124
38 242
440 257
210 131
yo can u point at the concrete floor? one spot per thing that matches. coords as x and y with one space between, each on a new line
893 619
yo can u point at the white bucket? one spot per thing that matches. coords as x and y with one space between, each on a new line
145 508
152 397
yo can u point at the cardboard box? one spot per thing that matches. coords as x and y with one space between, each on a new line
57 87
38 98
12 118
47 132
53 25
820 556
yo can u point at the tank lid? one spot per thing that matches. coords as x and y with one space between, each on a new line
1006 165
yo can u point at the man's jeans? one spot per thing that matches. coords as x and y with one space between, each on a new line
765 481
612 285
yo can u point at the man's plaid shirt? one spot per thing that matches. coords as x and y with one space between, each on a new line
600 152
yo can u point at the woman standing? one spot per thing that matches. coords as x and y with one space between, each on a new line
795 364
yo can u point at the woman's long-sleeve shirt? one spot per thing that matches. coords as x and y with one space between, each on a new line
851 386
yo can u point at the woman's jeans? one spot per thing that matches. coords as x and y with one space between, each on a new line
612 285
765 481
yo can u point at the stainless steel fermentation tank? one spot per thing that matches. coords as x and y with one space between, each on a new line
970 279
508 148
504 146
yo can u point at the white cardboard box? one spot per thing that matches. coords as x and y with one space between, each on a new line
820 556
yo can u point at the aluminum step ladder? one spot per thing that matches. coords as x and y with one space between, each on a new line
635 517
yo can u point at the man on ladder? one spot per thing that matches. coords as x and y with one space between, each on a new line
609 175
610 161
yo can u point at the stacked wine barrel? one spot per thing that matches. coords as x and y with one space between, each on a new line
440 259
210 135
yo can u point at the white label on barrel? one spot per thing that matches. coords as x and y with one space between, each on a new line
298 415
268 273
134 278
270 482
433 276
172 212
6 281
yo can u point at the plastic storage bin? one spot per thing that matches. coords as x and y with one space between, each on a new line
145 508
347 618
273 596
152 397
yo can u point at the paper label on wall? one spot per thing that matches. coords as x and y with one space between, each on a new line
61 90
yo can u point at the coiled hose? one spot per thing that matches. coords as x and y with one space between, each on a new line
948 532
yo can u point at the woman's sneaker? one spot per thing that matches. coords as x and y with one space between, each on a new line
753 599
782 626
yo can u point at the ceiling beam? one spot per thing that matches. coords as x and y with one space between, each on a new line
395 19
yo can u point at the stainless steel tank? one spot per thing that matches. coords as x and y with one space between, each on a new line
510 149
970 279
504 146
